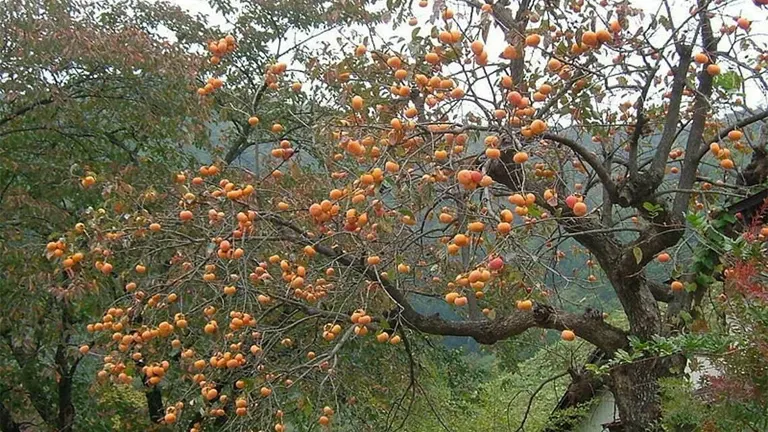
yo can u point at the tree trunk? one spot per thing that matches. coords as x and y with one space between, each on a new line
155 404
636 389
66 419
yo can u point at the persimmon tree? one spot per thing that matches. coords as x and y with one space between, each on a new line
85 91
271 36
458 165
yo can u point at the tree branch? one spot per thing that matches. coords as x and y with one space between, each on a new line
155 404
533 396
651 241
670 125
597 332
738 125
660 291
639 124
25 109
66 414
592 160
514 28
700 109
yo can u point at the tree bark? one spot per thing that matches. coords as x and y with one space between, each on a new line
636 390
66 417
65 420
635 387
155 404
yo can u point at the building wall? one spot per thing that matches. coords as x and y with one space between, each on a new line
604 412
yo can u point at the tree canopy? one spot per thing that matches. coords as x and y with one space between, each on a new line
276 225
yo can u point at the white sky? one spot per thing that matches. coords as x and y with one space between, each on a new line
495 43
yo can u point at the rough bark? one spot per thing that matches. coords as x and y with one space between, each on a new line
635 387
639 304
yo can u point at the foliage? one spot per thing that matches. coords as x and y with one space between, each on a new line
682 411
297 290
84 94
731 397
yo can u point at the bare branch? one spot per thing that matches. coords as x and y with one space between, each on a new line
700 109
639 124
669 132
592 160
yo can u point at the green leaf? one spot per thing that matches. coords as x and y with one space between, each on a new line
719 223
651 207
638 253
728 81
728 218
561 49
691 286
695 219
415 33
664 21
685 316
704 280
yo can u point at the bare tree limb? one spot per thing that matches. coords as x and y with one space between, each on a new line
639 124
593 161
656 171
700 110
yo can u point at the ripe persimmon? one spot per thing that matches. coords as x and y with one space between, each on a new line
533 40
579 209
357 103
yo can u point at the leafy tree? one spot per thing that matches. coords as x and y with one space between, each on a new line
270 36
87 89
441 167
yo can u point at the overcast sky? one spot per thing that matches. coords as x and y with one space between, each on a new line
495 43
